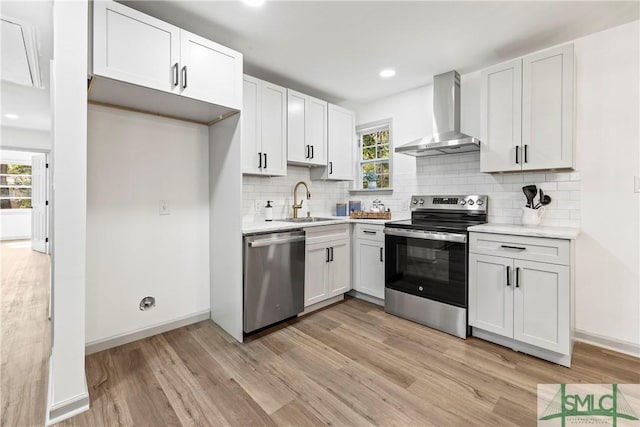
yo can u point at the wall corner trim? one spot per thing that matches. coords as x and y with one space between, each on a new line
68 408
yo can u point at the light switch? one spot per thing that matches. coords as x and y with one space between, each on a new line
636 184
164 207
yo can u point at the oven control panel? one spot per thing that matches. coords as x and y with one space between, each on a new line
467 203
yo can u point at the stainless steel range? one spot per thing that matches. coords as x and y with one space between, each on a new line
426 261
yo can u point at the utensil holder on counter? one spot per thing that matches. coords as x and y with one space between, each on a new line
341 209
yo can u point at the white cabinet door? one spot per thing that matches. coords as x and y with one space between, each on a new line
315 274
541 305
369 265
341 143
274 129
317 131
210 72
501 117
547 109
251 153
135 48
316 128
339 279
491 294
297 148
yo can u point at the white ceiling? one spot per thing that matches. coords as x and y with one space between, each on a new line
32 105
335 49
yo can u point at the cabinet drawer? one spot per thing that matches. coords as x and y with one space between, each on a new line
554 251
327 233
369 232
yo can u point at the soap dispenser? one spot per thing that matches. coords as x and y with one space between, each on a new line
268 211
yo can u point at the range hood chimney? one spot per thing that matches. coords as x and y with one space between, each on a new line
446 138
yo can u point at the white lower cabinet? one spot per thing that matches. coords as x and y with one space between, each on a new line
327 263
368 260
518 301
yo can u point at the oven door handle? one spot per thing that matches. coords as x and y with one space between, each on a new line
426 235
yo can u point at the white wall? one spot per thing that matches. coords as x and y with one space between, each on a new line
15 224
67 385
134 161
608 281
24 139
608 145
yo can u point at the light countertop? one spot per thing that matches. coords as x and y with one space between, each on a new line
262 226
568 233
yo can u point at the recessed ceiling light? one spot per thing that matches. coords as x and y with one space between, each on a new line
386 73
253 3
12 116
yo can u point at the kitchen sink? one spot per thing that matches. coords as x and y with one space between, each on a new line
306 219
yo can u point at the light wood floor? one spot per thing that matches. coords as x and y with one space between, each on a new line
348 365
24 328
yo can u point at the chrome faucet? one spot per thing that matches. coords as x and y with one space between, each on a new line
297 206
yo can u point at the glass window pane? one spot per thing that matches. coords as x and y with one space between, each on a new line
369 153
15 192
383 151
15 203
368 140
15 180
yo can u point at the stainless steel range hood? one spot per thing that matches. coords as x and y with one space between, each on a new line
447 138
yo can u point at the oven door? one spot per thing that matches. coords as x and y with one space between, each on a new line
428 265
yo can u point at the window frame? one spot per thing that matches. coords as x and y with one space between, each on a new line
369 128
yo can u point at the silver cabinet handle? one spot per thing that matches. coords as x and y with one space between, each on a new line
369 232
184 77
517 277
269 242
259 160
175 74
381 251
508 276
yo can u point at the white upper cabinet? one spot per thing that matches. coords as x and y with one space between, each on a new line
210 72
527 113
146 53
264 128
306 129
341 136
134 47
501 117
547 109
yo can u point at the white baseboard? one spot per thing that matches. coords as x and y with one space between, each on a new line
366 297
65 409
620 346
321 304
117 340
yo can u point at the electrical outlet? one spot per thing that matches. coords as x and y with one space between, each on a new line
636 184
164 207
259 206
405 206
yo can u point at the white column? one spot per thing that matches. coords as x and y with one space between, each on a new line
67 384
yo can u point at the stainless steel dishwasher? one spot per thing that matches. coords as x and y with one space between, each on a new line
273 278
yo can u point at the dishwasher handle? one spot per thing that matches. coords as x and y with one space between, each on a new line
270 242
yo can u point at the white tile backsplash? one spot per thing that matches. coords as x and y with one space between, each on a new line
256 190
451 174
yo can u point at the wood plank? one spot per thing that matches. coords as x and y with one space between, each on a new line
25 333
147 402
350 364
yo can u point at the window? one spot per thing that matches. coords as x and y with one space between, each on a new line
375 160
15 186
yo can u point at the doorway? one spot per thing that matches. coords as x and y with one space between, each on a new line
24 204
